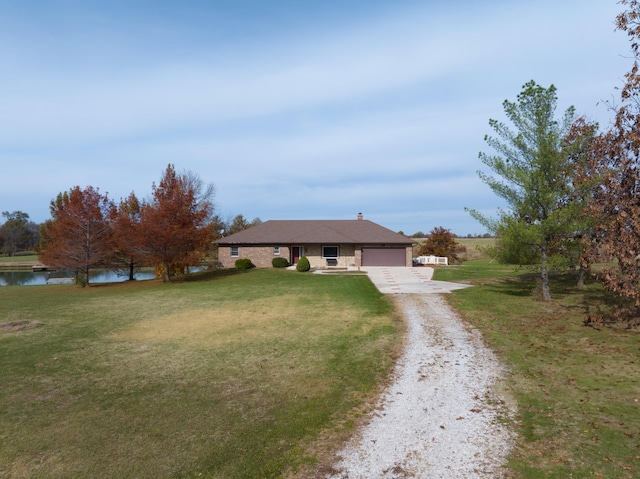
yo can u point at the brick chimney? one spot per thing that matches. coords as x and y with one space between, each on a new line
360 216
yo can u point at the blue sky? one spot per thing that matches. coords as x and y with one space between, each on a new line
292 109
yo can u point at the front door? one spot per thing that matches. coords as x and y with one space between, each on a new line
296 252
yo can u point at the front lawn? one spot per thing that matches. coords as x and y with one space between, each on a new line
232 375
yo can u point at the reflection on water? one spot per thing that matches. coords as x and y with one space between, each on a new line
26 278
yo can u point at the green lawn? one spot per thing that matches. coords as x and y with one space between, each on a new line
261 373
232 375
577 388
19 259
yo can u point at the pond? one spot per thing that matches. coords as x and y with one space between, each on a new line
29 278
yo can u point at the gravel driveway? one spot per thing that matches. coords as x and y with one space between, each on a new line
442 416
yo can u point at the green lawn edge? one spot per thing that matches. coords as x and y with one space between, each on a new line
577 389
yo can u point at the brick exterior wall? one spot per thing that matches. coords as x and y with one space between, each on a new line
261 256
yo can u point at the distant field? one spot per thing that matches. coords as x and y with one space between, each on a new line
471 247
475 242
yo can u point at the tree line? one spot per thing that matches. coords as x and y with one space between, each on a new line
171 231
572 190
18 234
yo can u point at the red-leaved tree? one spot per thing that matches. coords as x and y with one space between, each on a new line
440 242
126 220
175 225
79 236
615 205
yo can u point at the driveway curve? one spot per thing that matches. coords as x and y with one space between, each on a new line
402 280
442 416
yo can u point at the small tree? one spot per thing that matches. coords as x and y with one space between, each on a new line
440 242
240 223
534 176
126 221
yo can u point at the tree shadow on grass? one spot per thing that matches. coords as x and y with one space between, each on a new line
520 286
208 275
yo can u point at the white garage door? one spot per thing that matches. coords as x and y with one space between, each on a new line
383 257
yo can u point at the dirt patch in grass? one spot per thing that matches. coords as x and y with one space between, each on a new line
13 326
252 321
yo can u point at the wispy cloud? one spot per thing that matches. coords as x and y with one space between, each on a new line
382 112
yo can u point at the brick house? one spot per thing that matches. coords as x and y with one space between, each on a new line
326 243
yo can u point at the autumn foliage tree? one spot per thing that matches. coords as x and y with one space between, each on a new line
126 220
172 230
584 181
440 242
175 226
615 206
79 236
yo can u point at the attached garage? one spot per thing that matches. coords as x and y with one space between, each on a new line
384 257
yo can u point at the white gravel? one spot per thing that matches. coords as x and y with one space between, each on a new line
441 417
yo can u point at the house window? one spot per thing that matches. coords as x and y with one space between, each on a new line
234 251
330 252
276 250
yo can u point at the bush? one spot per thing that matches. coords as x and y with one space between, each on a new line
303 264
244 263
279 262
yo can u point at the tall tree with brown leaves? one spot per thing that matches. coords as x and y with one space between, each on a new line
127 231
79 236
175 225
616 202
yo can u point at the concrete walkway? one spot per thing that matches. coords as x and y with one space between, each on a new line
402 280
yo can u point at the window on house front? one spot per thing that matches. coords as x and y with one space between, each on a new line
276 250
329 251
234 251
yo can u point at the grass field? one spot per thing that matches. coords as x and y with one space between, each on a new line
235 375
18 259
18 262
261 373
577 388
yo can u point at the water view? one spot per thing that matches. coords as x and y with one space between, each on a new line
29 278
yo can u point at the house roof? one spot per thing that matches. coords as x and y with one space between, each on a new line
282 232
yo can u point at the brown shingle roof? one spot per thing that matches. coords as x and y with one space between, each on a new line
276 232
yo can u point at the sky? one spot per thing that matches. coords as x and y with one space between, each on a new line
314 109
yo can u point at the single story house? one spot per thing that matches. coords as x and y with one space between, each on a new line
325 243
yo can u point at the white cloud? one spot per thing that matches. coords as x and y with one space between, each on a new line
386 113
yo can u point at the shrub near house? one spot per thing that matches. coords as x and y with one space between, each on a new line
244 263
303 265
279 262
